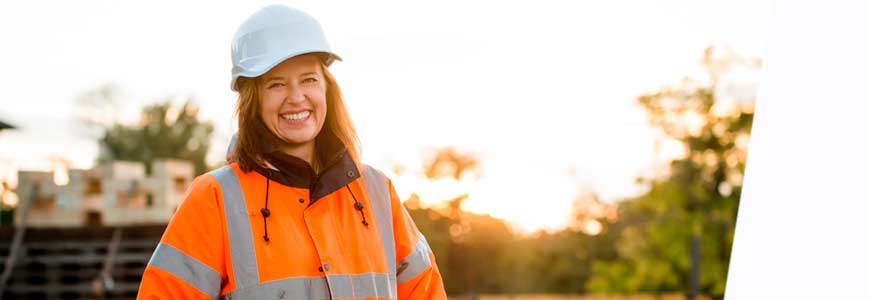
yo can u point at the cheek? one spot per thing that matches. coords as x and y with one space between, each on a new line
319 101
270 104
322 108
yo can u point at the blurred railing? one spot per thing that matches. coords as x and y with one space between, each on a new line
56 263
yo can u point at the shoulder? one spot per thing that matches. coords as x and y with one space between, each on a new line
367 168
379 185
210 184
223 175
371 173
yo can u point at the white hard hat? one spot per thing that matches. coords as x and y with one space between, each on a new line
272 35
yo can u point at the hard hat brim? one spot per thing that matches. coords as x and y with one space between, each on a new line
328 58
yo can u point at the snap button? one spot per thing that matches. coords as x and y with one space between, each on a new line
326 267
320 269
351 174
301 200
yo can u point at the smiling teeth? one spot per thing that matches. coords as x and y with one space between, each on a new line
296 116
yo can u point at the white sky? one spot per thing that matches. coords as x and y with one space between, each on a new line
544 90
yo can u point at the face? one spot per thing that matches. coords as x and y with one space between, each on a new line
293 100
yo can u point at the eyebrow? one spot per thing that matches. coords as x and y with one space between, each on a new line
282 78
274 78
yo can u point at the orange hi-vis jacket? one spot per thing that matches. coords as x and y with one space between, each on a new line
334 235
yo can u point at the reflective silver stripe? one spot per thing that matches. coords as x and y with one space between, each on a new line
238 229
416 262
366 285
313 288
187 268
379 195
357 286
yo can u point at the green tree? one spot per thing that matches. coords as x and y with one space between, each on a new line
698 196
163 131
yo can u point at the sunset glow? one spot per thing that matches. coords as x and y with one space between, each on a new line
549 125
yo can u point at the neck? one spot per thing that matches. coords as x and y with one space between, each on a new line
304 151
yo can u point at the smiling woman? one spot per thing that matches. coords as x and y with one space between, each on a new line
287 107
338 227
294 102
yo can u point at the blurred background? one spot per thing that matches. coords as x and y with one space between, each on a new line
547 149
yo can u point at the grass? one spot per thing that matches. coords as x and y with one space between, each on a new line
675 296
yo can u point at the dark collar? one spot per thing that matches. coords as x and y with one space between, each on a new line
338 170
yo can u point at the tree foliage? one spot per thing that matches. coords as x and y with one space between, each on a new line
698 196
163 131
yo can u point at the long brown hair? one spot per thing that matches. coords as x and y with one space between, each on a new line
254 138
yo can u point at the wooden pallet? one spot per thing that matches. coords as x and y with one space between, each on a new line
62 263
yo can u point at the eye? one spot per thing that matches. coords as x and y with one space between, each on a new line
275 85
309 80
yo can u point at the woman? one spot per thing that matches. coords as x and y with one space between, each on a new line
294 215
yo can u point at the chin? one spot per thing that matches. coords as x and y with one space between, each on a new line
299 139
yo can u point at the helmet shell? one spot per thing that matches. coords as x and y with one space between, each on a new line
272 35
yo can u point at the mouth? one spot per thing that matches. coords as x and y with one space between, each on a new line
297 117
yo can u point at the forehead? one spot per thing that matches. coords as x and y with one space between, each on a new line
295 66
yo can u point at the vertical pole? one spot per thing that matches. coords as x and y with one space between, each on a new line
17 240
104 280
695 281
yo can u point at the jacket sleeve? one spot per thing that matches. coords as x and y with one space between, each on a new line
417 274
188 263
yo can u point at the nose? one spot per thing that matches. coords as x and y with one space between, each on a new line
296 95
